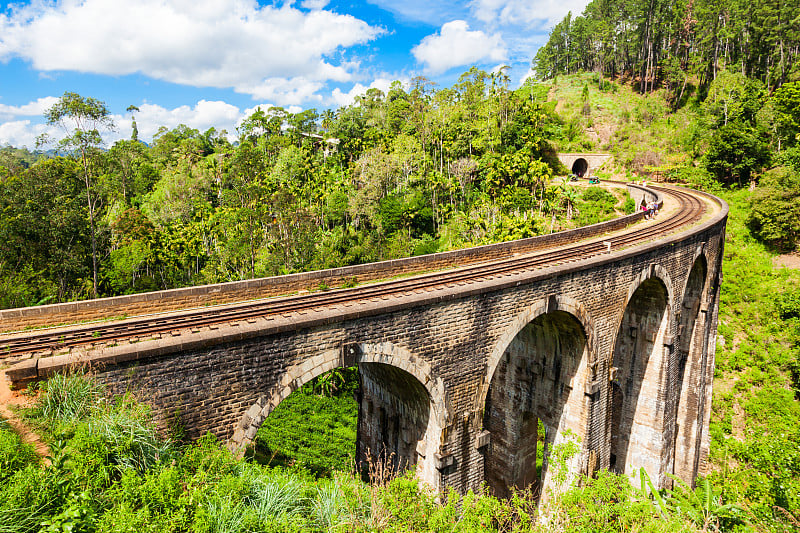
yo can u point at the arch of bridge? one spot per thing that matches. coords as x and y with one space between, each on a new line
543 365
301 373
541 307
692 370
699 253
637 364
656 272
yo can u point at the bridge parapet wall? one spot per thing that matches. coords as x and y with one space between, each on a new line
206 295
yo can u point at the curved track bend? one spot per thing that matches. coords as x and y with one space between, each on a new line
691 210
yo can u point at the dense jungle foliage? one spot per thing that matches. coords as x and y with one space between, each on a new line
703 93
673 44
410 172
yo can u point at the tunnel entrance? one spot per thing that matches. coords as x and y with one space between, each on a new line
690 346
536 394
580 167
637 360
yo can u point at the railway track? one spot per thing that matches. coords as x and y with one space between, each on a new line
691 210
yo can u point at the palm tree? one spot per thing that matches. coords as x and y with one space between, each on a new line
569 199
328 116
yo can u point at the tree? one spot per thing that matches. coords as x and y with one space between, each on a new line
44 231
124 165
732 97
82 120
735 153
787 108
775 215
134 127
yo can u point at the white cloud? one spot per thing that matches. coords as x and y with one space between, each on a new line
455 45
31 109
287 91
341 98
314 4
202 116
529 74
525 12
204 43
23 133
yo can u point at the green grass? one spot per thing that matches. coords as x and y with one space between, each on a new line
202 487
756 413
312 430
14 453
643 131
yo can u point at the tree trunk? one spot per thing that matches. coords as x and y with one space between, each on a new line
87 181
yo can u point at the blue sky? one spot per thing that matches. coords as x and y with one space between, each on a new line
210 63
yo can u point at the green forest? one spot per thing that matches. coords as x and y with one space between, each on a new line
410 172
701 93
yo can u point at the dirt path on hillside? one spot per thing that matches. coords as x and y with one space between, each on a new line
9 399
787 261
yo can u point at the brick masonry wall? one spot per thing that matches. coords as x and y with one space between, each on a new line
453 342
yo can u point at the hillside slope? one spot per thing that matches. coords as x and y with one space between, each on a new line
755 426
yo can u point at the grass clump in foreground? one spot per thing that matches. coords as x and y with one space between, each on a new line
14 453
111 472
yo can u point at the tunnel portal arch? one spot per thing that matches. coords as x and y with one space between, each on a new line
583 164
580 167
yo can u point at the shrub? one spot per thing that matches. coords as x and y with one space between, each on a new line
409 505
33 494
130 436
788 304
609 503
156 502
735 152
597 205
775 215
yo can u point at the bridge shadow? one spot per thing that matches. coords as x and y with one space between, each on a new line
637 361
538 383
393 419
690 370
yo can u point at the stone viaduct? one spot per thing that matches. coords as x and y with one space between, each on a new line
583 165
614 351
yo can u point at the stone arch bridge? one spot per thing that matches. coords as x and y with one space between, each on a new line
604 335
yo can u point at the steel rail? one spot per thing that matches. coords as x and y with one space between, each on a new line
691 209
